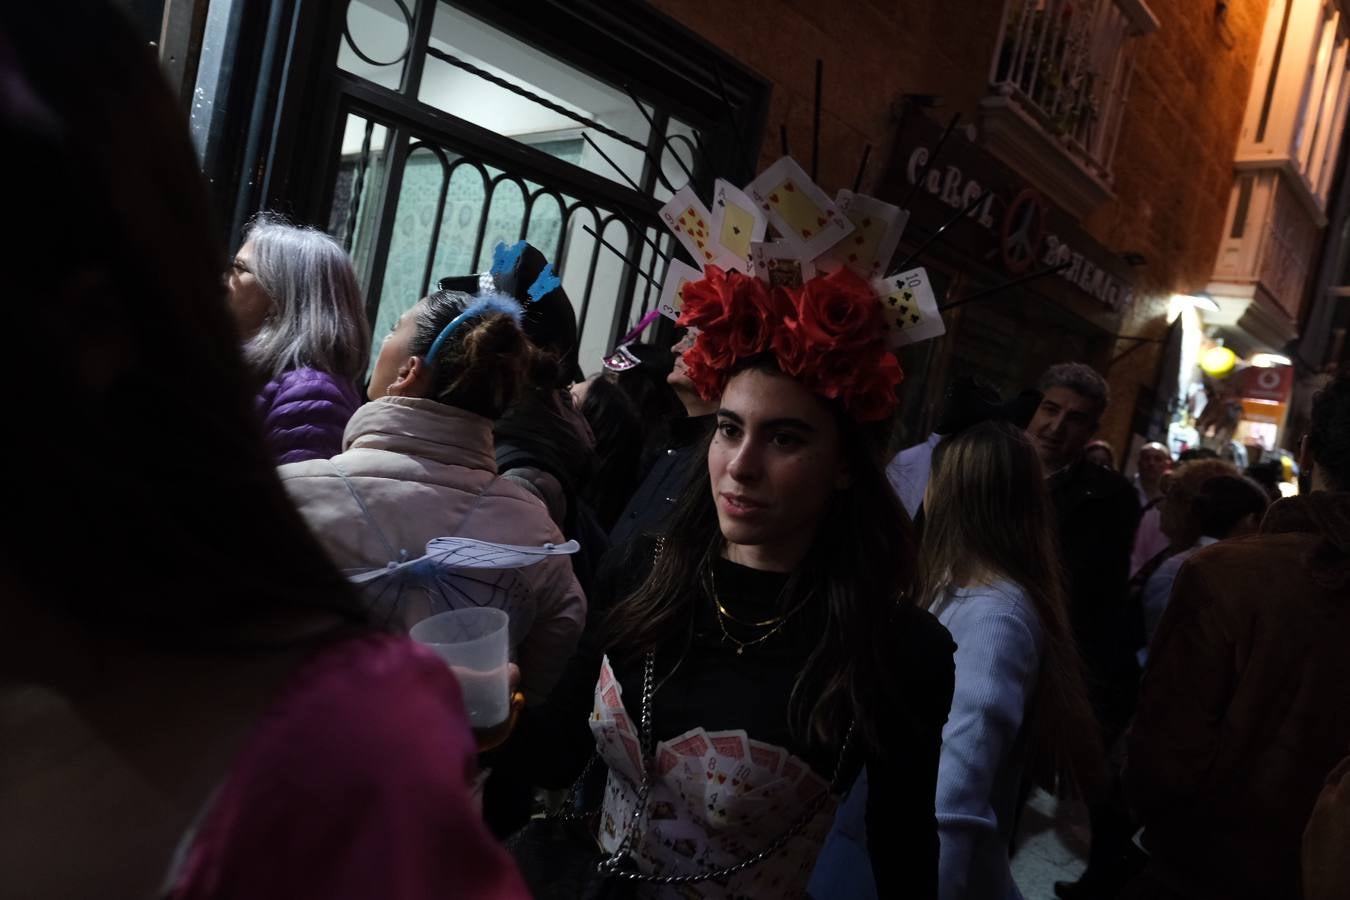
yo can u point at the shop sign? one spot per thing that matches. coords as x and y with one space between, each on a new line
1263 411
1014 225
1274 383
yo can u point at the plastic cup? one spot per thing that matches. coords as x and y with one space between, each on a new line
474 643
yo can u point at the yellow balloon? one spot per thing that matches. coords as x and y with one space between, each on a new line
1218 361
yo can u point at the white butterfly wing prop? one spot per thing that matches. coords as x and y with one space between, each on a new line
457 573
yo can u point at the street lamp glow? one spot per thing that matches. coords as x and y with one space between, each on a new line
1270 360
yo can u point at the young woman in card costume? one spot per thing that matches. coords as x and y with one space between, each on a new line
765 650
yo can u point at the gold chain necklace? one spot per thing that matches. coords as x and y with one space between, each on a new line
722 615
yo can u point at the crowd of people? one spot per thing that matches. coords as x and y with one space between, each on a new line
777 665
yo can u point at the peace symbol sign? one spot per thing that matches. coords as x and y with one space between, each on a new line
1023 231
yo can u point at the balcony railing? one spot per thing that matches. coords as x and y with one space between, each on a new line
1067 65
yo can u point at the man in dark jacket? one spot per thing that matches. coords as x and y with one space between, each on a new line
672 468
1097 511
1245 705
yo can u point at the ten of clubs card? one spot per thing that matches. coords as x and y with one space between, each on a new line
909 307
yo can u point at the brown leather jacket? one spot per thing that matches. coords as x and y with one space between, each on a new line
1246 704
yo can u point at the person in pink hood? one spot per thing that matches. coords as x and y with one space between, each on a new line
193 702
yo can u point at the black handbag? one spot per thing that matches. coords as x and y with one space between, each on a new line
560 860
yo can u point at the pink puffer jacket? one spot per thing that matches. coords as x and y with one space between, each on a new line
425 470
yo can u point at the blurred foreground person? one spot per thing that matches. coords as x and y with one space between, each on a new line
192 703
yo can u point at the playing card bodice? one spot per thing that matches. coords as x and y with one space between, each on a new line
716 799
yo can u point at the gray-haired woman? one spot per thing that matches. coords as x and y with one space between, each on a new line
298 306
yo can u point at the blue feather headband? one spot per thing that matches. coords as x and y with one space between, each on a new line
482 305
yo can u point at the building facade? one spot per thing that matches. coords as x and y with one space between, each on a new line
1170 160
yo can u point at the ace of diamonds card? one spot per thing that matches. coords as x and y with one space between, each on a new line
798 209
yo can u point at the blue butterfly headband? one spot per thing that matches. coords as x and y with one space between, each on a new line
488 303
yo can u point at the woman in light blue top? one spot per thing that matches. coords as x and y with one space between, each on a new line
990 572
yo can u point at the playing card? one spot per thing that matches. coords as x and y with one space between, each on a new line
621 360
810 786
780 264
798 209
672 292
606 674
737 222
877 228
767 757
620 751
910 308
689 220
693 742
732 744
666 759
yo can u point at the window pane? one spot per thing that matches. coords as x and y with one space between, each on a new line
578 98
375 45
360 174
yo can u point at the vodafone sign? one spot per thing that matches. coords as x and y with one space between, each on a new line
1272 384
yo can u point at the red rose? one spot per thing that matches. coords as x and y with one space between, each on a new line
838 310
708 302
875 397
837 373
754 316
708 378
794 353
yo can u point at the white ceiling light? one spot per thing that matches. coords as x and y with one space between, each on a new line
1270 360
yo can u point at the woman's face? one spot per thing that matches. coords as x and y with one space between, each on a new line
249 303
392 363
774 464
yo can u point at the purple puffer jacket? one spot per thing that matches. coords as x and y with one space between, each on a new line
304 413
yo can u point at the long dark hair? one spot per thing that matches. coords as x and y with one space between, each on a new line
990 511
859 568
160 517
618 449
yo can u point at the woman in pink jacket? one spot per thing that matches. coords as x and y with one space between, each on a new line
418 465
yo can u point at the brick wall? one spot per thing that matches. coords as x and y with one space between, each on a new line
1173 169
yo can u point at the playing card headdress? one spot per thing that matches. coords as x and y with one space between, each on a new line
817 298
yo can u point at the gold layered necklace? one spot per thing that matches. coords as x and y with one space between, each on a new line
774 624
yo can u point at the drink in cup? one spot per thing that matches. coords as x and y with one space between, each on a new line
473 642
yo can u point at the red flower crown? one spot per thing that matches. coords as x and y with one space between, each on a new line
829 334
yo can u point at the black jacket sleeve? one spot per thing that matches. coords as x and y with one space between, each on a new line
902 835
553 741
